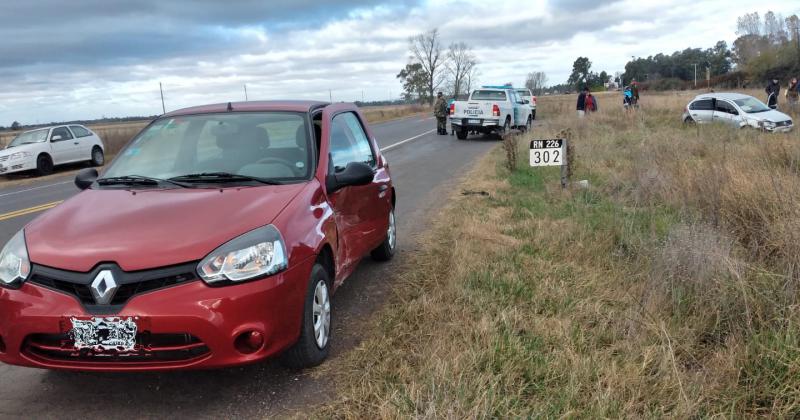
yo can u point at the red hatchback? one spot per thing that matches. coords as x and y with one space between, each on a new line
216 238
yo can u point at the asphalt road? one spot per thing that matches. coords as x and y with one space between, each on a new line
425 167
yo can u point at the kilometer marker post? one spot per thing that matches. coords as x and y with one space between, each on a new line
551 152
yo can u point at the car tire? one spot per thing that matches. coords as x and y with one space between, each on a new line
462 133
307 352
506 129
44 165
688 121
98 158
533 114
385 251
529 124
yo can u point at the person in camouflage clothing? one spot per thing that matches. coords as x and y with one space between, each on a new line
440 112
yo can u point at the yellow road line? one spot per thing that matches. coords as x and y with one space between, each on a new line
29 210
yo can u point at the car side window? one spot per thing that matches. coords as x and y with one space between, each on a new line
349 142
80 131
725 107
701 105
61 131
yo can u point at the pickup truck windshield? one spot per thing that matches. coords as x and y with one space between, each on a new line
488 95
36 136
270 146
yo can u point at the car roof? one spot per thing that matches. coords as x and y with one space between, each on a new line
722 95
250 106
53 126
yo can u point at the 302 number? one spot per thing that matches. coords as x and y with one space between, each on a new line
546 156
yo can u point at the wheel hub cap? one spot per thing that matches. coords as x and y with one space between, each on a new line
322 314
391 233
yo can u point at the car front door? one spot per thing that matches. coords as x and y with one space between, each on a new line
361 212
63 145
726 113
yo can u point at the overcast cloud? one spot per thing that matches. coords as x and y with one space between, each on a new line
94 58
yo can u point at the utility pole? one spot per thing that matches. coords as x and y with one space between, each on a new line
362 96
161 89
695 75
330 96
245 92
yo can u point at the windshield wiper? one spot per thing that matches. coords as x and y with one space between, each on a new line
221 177
138 180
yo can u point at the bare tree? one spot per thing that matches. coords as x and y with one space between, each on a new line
460 62
536 82
749 24
426 49
775 28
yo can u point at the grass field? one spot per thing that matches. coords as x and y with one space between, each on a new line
669 287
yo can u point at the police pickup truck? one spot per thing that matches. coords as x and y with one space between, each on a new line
490 110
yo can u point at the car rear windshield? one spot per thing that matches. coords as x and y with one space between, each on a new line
488 95
751 105
273 146
36 136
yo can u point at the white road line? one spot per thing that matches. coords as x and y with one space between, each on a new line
35 188
406 140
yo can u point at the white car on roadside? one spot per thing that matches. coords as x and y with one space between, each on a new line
44 148
737 110
530 99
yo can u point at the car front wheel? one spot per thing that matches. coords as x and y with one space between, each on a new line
313 346
44 165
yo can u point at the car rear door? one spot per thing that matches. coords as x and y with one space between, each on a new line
63 145
701 110
361 212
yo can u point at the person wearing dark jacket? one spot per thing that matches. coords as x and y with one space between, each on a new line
773 89
581 106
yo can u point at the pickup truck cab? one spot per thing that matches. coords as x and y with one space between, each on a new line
530 99
43 148
490 110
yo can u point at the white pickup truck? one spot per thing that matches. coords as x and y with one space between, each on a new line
490 109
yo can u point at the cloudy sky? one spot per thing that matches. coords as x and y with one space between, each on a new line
87 59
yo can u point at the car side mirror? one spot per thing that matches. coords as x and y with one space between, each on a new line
55 138
355 173
85 178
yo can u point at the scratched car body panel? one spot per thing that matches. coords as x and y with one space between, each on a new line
215 239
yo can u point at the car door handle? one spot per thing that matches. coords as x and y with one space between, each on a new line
76 143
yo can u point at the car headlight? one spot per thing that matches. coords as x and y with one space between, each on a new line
14 263
258 253
20 155
769 124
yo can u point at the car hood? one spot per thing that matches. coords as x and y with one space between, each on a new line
21 148
144 229
771 115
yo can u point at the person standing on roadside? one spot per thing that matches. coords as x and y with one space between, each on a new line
773 89
440 112
581 105
793 94
590 103
635 94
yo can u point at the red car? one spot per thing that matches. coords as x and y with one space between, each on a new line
216 238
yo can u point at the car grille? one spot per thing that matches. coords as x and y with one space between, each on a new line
783 123
130 284
151 349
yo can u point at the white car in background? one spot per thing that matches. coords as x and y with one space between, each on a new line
738 110
43 148
530 99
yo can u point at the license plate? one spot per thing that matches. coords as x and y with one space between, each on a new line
102 334
474 121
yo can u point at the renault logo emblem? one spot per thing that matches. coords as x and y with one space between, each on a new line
103 287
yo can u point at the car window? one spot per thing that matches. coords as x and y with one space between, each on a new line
349 142
701 105
723 106
61 131
488 95
80 131
269 145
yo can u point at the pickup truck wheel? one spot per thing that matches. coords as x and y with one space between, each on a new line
313 345
98 158
533 114
461 133
506 129
529 125
44 165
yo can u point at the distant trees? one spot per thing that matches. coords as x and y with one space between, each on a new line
536 82
426 50
582 76
16 125
460 65
680 65
415 83
769 47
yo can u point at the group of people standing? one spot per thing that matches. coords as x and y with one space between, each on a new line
586 102
792 94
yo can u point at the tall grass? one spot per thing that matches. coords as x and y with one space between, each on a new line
667 288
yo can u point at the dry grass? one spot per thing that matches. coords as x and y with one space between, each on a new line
668 288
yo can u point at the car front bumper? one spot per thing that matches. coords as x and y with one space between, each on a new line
33 319
13 166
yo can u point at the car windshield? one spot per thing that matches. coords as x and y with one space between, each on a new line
216 148
28 137
488 95
751 105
